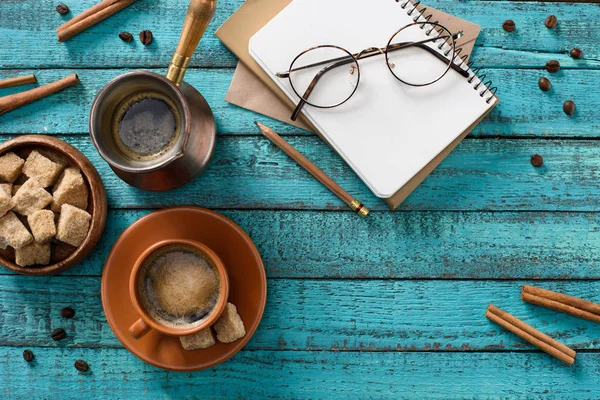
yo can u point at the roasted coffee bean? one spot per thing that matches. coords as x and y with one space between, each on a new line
537 160
544 84
62 9
576 53
552 66
67 312
509 25
569 107
551 21
126 37
28 355
58 334
82 366
146 37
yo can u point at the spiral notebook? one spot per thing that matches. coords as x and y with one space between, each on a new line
387 132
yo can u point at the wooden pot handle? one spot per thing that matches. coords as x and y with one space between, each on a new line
198 16
139 329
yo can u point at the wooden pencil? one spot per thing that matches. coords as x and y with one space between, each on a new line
312 169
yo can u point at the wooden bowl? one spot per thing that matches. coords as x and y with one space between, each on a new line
22 146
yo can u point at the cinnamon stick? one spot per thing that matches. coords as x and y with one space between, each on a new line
90 11
558 306
576 302
8 103
17 81
91 17
530 334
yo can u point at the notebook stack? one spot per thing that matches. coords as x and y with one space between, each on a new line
391 134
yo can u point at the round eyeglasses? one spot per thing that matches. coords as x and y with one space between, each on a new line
418 54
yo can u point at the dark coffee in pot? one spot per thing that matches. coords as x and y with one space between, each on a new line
146 126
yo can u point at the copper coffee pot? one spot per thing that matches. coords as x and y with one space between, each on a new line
195 141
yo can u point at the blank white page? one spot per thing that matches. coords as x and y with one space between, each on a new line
388 131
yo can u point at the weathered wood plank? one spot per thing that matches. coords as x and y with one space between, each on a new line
416 245
299 375
30 27
251 173
342 315
524 110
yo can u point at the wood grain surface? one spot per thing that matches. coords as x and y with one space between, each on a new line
297 375
480 175
320 315
524 110
34 22
468 245
391 306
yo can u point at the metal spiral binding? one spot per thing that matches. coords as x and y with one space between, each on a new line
488 88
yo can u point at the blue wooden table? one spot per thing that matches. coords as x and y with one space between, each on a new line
401 315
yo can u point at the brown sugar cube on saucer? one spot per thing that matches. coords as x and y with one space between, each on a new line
10 167
73 225
42 168
30 198
70 189
42 225
200 340
13 233
32 254
229 326
5 199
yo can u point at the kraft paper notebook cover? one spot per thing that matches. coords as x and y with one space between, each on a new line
248 92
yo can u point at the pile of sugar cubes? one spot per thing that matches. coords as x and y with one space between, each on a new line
38 223
229 328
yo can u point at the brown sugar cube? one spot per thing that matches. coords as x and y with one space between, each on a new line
54 156
32 254
200 340
42 225
13 233
229 326
10 167
5 200
42 169
15 189
30 198
7 187
73 225
70 189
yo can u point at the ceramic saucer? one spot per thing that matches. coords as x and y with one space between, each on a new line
248 284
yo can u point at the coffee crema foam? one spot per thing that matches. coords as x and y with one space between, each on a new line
178 286
146 126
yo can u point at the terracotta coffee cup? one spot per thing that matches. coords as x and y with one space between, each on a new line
146 323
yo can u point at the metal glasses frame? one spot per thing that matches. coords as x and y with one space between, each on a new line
374 51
